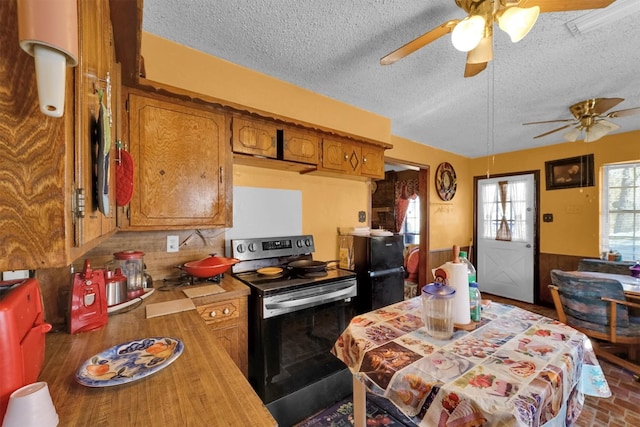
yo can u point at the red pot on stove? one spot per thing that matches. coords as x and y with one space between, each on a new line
208 267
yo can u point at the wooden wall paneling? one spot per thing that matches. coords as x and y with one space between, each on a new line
549 262
34 173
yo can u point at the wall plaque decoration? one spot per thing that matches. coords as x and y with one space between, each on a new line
446 181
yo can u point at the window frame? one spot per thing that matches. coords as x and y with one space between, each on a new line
606 213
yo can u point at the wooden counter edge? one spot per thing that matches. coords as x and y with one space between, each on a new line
203 386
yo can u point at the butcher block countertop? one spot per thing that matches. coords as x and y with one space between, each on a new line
202 387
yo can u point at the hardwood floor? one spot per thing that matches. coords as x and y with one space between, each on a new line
622 409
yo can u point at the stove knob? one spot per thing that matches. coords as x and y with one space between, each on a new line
252 247
240 248
299 243
307 242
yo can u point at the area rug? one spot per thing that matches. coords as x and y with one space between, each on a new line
341 415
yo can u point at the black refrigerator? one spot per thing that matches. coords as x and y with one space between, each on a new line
379 265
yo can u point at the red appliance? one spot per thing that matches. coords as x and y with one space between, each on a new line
22 330
88 300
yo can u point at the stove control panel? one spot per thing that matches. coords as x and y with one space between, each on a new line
271 247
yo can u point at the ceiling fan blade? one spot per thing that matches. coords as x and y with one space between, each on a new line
565 6
552 131
471 70
604 104
419 42
550 121
624 113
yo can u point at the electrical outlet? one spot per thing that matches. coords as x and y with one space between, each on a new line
173 244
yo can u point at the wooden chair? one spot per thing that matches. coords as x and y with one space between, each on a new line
600 309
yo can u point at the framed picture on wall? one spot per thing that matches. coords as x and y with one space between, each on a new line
569 173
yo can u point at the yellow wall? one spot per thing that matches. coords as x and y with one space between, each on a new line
180 66
450 222
575 226
177 65
329 203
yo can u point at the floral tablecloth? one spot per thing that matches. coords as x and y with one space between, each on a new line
516 368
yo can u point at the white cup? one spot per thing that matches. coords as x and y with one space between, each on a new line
31 406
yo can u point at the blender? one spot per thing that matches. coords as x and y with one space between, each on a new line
131 264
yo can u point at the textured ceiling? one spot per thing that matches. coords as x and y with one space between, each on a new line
333 47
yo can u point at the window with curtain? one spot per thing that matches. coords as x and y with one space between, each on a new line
620 210
411 228
504 211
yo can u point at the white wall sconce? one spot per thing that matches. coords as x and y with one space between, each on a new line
48 31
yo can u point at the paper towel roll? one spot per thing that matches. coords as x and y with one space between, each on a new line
458 278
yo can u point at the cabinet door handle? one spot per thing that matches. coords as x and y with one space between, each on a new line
226 310
220 175
213 313
364 159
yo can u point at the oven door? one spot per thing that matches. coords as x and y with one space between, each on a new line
292 351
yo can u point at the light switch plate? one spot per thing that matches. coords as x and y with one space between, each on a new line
173 244
15 274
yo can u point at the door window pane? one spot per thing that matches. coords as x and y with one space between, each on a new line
514 212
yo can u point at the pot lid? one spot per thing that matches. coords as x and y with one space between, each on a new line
438 290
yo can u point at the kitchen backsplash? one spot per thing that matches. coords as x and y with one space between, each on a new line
195 244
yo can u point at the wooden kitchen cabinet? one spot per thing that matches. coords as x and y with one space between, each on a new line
96 81
181 153
46 162
228 323
340 155
252 136
372 161
300 146
352 157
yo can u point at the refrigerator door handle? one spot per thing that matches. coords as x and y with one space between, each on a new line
386 272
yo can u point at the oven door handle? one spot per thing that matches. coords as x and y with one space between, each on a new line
333 296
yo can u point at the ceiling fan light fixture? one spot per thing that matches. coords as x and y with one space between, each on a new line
611 126
517 21
595 132
572 135
467 33
482 53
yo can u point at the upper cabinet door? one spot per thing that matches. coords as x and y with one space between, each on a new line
95 84
340 155
182 165
372 161
254 137
300 146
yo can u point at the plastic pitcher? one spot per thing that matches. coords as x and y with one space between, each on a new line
437 310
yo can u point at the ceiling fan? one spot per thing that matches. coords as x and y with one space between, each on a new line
589 117
474 34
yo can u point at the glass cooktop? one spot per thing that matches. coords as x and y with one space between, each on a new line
289 280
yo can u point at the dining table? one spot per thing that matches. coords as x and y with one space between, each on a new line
630 284
512 368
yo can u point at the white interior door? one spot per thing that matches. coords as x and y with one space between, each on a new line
505 236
